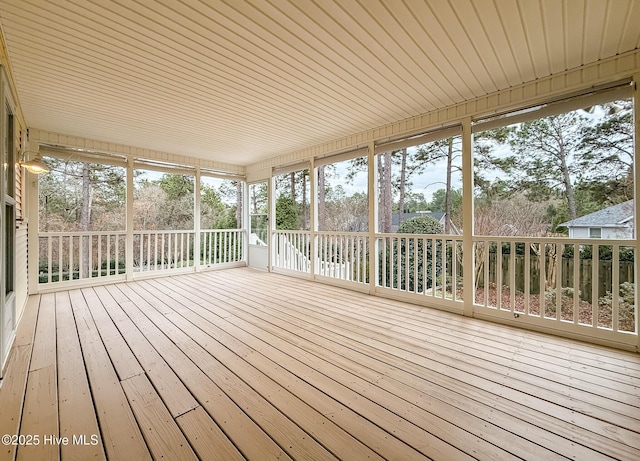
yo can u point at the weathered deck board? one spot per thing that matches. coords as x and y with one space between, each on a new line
77 413
13 390
120 433
245 364
40 414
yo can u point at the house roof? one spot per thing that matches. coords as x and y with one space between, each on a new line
244 81
613 216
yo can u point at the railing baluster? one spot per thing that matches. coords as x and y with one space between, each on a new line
226 246
434 272
443 268
116 254
576 283
50 258
386 244
88 240
188 235
512 276
206 247
425 263
174 238
498 269
100 254
486 273
595 280
615 287
399 263
414 242
543 278
558 268
60 258
145 261
527 278
216 250
454 270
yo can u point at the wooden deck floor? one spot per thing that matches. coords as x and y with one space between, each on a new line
240 364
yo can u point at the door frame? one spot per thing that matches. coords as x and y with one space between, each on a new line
8 156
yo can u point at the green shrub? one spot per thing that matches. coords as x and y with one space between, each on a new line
420 225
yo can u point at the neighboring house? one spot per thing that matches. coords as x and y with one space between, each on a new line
614 222
437 215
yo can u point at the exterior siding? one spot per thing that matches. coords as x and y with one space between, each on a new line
608 233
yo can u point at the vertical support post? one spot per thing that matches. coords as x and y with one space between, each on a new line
34 228
468 282
245 222
271 220
313 216
636 202
373 217
196 222
129 221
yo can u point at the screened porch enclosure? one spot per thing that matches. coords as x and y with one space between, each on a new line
495 247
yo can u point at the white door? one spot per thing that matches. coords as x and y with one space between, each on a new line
259 225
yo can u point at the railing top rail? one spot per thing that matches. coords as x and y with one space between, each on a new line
563 240
283 231
348 234
428 236
162 231
222 230
80 233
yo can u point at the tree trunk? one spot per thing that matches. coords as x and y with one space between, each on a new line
292 179
321 198
568 187
239 223
384 201
403 184
305 209
447 192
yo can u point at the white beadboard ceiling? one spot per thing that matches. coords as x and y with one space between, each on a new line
239 81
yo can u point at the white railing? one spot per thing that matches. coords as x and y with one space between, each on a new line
221 246
584 282
75 256
343 256
161 250
292 250
581 286
417 264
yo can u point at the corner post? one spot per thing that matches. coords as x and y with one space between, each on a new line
196 221
468 281
636 202
129 221
313 217
372 182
